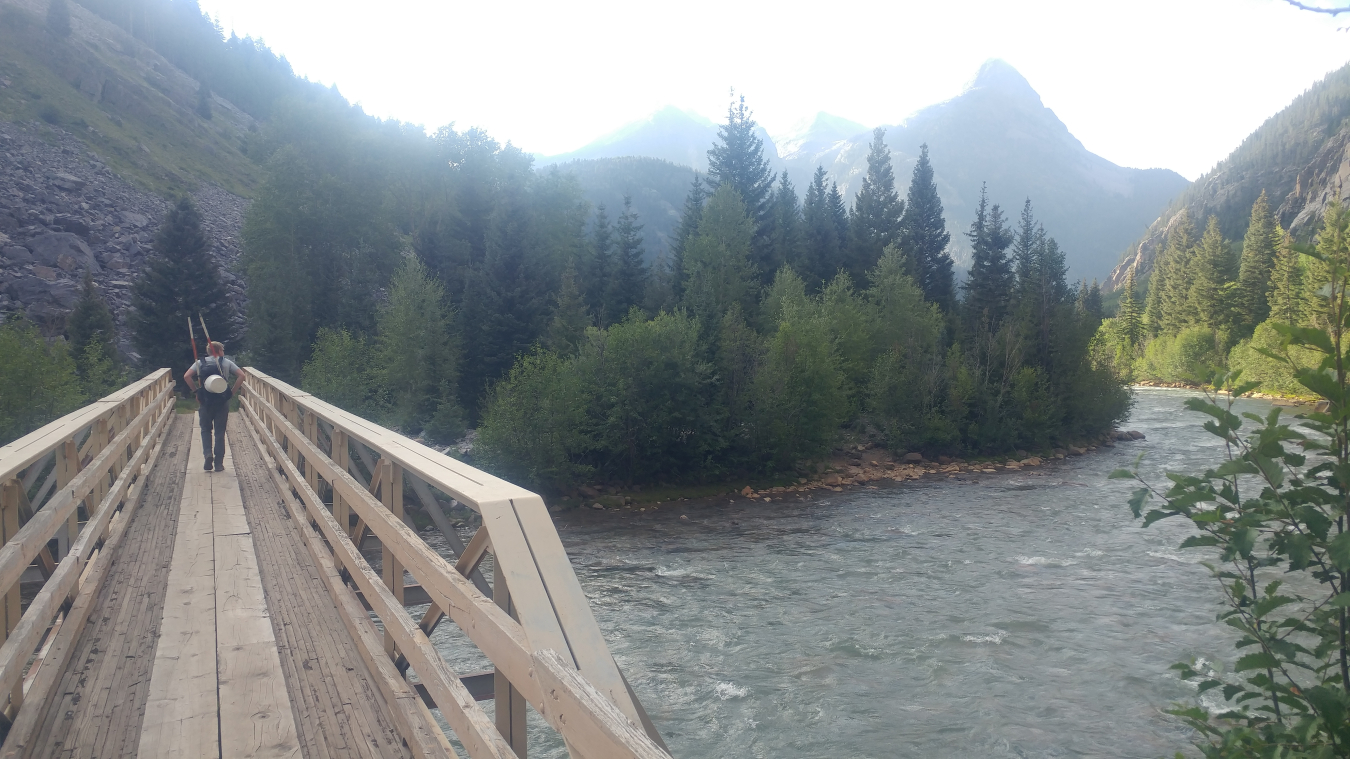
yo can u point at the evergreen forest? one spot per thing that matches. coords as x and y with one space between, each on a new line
1214 302
439 283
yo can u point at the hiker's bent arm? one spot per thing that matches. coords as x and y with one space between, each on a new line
190 377
239 381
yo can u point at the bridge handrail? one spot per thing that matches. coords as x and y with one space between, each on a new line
101 473
538 616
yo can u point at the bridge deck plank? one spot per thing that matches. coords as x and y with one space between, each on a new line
339 709
100 699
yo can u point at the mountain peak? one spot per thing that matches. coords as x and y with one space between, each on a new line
998 75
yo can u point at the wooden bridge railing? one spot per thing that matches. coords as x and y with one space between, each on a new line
66 494
533 623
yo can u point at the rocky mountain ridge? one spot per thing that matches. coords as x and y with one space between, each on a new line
996 131
63 213
1300 157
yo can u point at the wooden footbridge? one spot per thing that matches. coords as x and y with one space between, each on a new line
153 609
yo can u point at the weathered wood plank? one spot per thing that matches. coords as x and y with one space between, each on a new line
182 712
422 735
24 735
470 723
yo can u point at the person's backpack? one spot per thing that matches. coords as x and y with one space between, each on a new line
208 399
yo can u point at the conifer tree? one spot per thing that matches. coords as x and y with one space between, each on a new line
1157 282
58 18
91 331
1092 301
989 287
875 221
1173 309
787 237
91 323
693 213
1208 273
924 235
718 269
1259 248
738 160
601 265
839 213
418 355
180 281
1131 324
1286 296
628 283
570 315
1024 246
821 257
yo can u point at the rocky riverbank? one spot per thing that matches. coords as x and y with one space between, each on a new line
64 213
865 466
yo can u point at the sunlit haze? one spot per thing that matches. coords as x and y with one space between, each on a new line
1155 83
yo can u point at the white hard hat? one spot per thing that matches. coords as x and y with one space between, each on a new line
216 384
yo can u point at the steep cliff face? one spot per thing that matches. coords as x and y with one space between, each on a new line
97 134
1297 157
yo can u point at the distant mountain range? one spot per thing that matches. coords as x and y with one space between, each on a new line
1300 158
997 131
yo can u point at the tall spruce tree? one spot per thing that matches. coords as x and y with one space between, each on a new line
91 332
875 221
738 160
1128 314
600 268
719 272
418 354
924 236
689 219
839 213
1171 269
1208 272
1287 290
570 315
628 283
1259 248
989 288
180 281
821 257
91 323
1024 246
787 236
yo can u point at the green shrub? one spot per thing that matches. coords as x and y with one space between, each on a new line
535 429
1274 376
1179 358
37 380
341 370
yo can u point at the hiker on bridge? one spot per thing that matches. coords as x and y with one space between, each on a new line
213 398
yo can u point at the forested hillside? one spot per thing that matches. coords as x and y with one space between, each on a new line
438 281
1296 158
1212 302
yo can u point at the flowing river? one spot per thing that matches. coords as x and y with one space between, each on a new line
1018 614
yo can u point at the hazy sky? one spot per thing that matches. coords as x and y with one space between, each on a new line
1171 83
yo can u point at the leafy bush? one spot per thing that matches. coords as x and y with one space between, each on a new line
535 427
1273 375
1271 516
1180 357
341 370
37 380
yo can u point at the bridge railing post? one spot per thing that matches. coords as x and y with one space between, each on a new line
88 460
534 606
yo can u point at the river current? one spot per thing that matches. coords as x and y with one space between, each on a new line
1018 614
